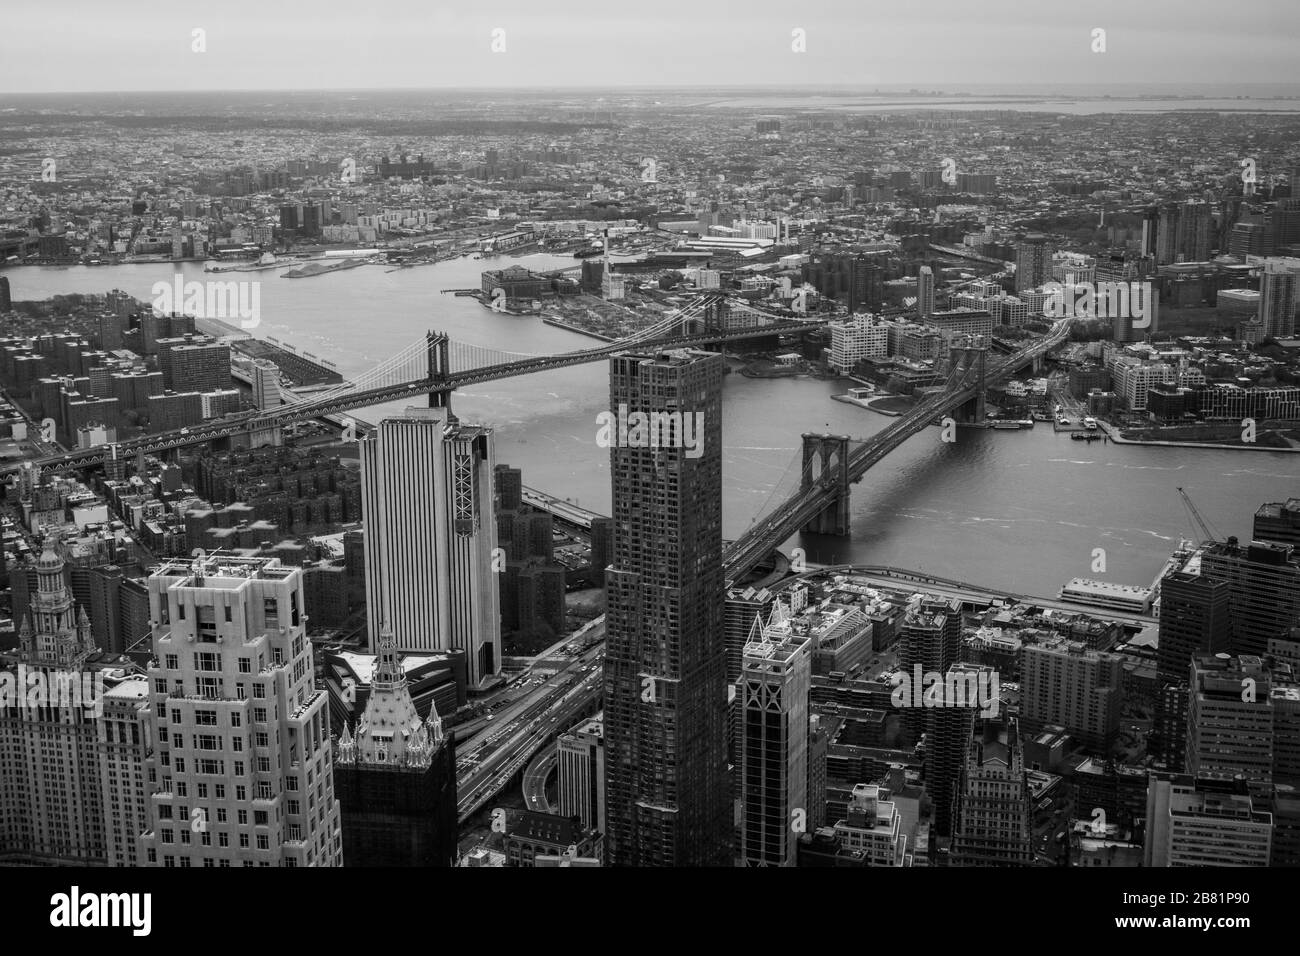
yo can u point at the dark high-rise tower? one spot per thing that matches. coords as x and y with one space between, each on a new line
666 791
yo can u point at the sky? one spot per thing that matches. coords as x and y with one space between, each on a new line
81 45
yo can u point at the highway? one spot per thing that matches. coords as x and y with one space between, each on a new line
487 760
535 777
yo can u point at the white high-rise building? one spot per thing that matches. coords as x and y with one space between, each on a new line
863 336
1279 293
581 774
427 492
775 682
925 292
873 827
242 773
1208 820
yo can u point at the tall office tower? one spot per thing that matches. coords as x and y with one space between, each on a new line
872 828
1168 741
1278 522
775 683
742 607
1230 719
52 809
6 300
948 731
1278 296
1184 233
1209 820
666 793
929 642
991 816
1195 618
581 774
1033 262
125 743
1068 684
1265 582
395 777
242 774
925 292
427 503
818 747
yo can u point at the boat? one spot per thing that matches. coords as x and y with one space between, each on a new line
1080 436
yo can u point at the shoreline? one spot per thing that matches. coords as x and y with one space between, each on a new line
1113 432
561 324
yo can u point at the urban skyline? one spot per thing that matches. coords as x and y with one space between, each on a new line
792 464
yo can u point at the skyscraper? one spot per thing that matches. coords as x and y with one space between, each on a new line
1279 293
427 505
667 798
1204 821
1195 617
580 774
242 774
396 777
1071 685
1265 583
925 292
929 642
57 804
991 816
1230 719
774 687
1033 262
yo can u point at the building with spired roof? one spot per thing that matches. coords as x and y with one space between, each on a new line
395 776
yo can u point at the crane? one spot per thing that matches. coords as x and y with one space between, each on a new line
1208 534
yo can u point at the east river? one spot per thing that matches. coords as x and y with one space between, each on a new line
1019 510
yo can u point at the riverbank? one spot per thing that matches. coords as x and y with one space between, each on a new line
1119 439
561 324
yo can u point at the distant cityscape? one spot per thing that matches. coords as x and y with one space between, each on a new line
271 607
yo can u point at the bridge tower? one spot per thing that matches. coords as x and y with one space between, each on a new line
826 457
437 346
973 354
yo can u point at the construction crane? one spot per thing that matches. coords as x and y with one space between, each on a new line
1208 534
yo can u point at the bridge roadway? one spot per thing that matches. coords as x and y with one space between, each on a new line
255 422
804 505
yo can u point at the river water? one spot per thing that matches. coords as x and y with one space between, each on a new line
1019 510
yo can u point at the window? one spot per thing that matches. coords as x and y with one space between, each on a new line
263 842
236 744
207 742
180 610
234 716
167 835
221 811
245 665
241 794
260 739
263 764
171 661
205 718
259 714
259 818
243 845
227 609
207 661
295 808
271 610
223 839
203 791
243 817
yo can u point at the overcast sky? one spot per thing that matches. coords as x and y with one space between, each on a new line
75 45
